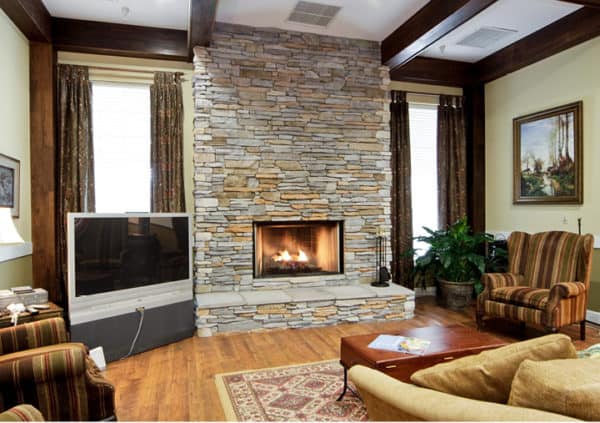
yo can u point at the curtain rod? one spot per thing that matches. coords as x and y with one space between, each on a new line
428 94
126 70
423 93
115 69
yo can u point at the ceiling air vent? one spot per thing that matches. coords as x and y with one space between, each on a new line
310 13
486 37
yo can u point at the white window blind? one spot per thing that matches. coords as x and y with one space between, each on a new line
121 136
423 156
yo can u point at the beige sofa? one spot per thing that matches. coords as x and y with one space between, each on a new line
388 399
540 379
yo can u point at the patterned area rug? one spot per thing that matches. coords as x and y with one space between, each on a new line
305 392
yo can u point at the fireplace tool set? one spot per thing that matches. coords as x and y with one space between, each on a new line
382 272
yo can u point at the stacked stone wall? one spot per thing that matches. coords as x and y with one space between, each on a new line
288 126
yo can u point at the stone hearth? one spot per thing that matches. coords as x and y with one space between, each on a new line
289 126
301 307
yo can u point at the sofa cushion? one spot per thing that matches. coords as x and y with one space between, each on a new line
521 296
488 375
569 387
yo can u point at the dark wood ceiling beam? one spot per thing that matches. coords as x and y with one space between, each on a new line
31 17
587 3
436 19
119 39
425 70
202 22
581 25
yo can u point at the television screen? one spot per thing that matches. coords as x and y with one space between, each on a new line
114 253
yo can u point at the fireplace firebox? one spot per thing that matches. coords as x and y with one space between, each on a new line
284 249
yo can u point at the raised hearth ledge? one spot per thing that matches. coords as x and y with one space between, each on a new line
300 307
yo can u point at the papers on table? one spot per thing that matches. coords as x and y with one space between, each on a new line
404 344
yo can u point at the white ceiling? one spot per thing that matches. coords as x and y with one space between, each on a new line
158 13
364 19
525 17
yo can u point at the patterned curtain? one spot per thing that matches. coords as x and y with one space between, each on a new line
452 160
167 143
75 192
401 190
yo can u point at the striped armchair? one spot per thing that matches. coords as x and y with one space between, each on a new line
547 281
38 366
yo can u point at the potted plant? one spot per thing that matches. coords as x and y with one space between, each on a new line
456 259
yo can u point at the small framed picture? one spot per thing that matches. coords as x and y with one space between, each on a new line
548 156
10 177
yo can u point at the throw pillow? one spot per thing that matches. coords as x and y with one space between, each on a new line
487 376
567 387
590 352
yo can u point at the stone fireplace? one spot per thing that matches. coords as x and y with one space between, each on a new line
288 249
291 141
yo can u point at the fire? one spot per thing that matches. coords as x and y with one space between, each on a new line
285 256
282 256
302 257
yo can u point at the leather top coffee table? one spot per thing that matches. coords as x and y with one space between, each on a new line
447 343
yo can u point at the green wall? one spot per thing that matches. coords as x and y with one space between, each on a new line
15 272
14 136
560 79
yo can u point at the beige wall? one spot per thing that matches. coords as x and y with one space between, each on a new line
16 272
564 78
151 65
14 136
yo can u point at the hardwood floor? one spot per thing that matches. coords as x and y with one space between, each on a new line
176 382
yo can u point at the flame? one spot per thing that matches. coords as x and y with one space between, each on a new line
283 256
302 257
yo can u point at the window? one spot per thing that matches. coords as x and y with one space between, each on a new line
423 156
121 136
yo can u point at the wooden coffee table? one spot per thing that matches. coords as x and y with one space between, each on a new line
447 343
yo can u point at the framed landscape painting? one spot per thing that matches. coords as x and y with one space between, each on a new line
9 183
548 166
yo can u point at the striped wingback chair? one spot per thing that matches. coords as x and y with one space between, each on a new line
547 281
38 366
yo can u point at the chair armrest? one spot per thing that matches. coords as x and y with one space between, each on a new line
41 365
567 289
33 335
388 399
101 394
22 413
492 281
497 280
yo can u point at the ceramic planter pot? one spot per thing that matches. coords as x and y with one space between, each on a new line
455 295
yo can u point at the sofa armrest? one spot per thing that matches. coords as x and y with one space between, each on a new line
388 399
33 335
42 365
22 413
567 289
497 280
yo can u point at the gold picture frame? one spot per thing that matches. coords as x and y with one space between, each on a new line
548 156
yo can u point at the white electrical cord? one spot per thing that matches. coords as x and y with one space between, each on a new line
15 310
137 334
